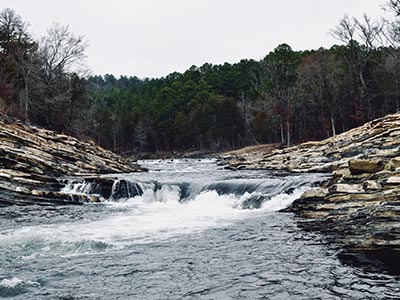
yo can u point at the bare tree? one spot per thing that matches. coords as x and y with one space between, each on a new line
18 50
61 51
62 56
320 78
275 79
12 30
390 39
345 30
369 31
29 67
394 5
361 38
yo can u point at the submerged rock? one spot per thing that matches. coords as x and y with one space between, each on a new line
123 189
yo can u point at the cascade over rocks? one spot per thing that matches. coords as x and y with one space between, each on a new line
359 208
32 161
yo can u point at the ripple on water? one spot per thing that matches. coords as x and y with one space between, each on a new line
210 249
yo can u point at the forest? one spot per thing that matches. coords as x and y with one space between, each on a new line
287 97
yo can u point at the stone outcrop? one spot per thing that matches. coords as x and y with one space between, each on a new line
359 207
359 211
32 161
360 166
373 141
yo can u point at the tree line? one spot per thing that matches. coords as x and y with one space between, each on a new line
42 81
287 97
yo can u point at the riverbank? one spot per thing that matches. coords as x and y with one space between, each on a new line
32 161
359 207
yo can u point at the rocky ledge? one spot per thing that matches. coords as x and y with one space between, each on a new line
33 162
359 207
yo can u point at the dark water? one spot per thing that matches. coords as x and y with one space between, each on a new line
197 232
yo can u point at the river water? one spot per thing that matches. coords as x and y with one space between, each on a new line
196 232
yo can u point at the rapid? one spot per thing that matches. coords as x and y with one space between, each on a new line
188 229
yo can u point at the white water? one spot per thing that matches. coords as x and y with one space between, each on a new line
161 212
10 283
283 200
191 235
154 216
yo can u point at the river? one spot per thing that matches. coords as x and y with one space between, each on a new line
196 231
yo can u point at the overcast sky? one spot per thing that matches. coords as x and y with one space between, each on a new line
152 38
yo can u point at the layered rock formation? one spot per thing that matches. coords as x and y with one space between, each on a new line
376 139
32 161
359 208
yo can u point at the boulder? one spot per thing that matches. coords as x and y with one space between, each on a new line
371 185
346 188
341 173
123 189
315 193
360 166
393 180
394 164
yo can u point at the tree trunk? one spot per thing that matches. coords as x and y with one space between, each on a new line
333 126
99 140
288 133
282 135
26 74
114 139
397 95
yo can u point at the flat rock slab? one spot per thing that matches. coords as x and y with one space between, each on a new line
360 166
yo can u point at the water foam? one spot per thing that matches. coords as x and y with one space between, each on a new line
10 282
154 216
283 200
11 287
73 187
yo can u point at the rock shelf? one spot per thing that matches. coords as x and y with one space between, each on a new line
359 207
32 161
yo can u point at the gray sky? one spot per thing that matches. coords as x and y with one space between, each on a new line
152 38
